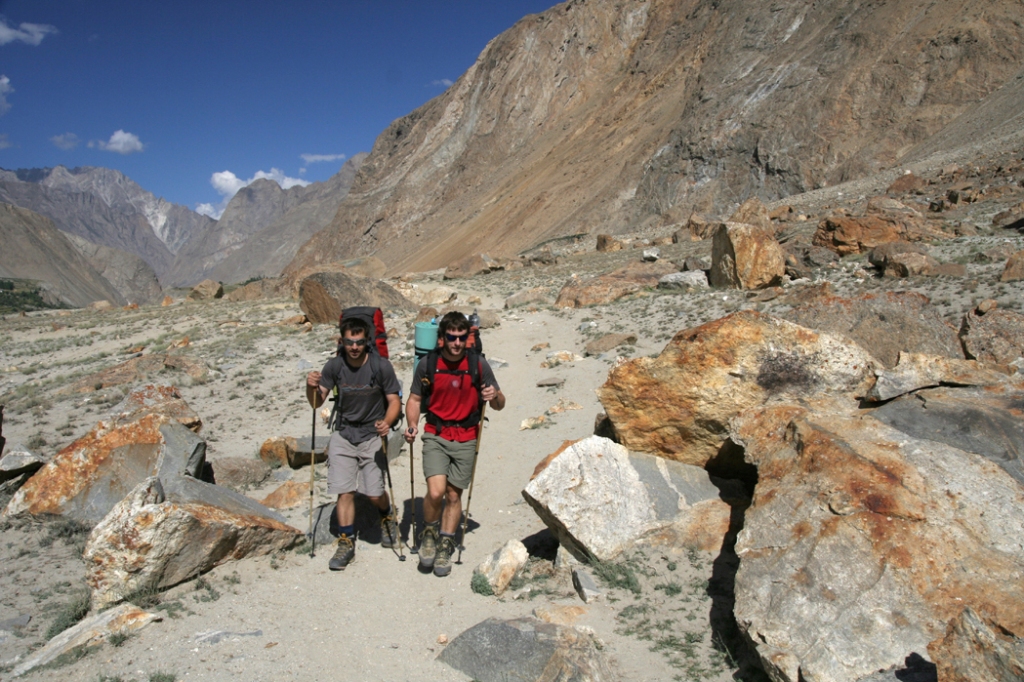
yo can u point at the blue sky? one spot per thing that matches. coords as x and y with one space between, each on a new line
184 95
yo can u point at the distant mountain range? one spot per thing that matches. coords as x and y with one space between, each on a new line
110 216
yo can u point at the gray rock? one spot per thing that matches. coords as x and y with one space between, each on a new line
598 499
551 382
973 420
585 585
12 624
861 540
526 649
18 461
651 255
240 473
501 566
915 371
690 279
974 649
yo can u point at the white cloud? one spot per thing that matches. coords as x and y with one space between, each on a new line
32 34
5 89
120 142
443 83
65 141
227 185
4 142
320 158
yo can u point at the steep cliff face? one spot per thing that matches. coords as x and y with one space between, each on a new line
33 248
127 273
600 115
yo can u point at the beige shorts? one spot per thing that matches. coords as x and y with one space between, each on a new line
352 468
450 459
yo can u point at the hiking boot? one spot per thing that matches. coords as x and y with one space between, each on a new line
443 560
344 555
389 532
428 546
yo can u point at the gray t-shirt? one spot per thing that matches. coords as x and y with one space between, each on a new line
361 403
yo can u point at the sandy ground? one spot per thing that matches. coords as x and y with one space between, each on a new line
287 616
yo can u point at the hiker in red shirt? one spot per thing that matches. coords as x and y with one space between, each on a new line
449 386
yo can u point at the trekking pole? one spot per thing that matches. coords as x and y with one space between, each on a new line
391 490
312 482
472 478
414 548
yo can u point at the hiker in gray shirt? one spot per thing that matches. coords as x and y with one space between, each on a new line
367 405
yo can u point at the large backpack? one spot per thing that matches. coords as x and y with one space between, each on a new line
473 359
373 317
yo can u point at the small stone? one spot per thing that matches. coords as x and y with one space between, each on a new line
586 586
540 346
442 639
690 279
499 568
651 255
532 423
987 305
555 382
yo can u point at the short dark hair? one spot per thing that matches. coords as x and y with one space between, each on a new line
453 322
355 325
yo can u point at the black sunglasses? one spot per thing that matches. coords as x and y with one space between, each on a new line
456 337
354 342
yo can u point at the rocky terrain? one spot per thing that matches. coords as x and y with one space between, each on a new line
807 413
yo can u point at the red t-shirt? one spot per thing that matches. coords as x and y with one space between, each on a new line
453 396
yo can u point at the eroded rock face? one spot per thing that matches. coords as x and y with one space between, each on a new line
679 404
323 295
745 257
154 538
915 371
886 323
994 336
598 498
863 542
85 480
975 650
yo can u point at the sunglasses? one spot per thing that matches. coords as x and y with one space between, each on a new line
354 342
456 337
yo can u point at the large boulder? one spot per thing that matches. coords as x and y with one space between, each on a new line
85 480
160 536
864 541
753 212
151 399
423 295
598 499
885 220
471 266
323 295
206 290
19 461
628 280
679 404
745 257
526 649
994 336
1013 271
886 323
142 368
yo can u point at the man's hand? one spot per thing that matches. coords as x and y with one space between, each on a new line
313 379
382 427
410 434
489 393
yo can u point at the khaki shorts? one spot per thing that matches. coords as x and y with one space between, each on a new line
352 468
450 459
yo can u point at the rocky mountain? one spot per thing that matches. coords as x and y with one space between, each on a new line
130 275
261 229
104 207
33 248
605 116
